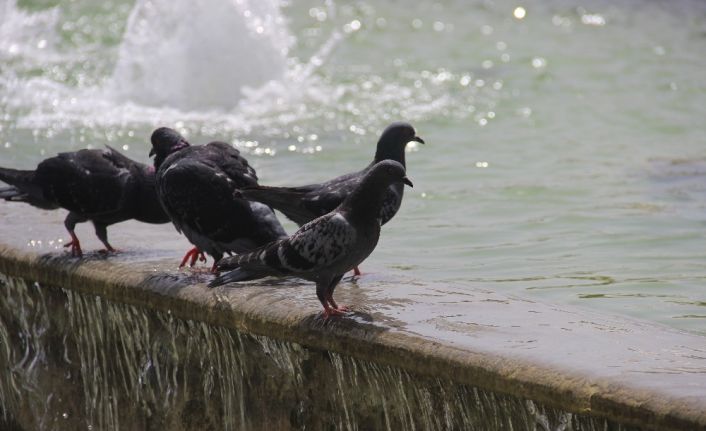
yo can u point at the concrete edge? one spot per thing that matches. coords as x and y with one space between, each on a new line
561 389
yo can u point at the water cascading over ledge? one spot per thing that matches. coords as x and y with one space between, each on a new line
78 361
128 342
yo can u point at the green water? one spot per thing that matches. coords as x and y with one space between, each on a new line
566 146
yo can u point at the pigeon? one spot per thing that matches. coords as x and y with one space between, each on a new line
327 247
305 203
102 186
195 185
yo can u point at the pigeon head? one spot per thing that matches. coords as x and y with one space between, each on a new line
165 141
393 141
387 172
367 198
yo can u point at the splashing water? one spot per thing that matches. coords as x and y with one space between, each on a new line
213 65
199 54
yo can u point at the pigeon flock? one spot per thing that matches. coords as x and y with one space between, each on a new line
212 196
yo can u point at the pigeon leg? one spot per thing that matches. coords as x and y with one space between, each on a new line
356 271
192 255
102 234
329 295
321 293
70 224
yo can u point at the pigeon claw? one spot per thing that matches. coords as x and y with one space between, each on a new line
330 311
191 256
108 250
75 246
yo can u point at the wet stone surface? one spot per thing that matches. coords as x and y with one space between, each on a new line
81 362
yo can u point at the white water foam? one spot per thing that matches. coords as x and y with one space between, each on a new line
178 61
216 67
199 54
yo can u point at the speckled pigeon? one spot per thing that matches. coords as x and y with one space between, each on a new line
305 203
195 185
101 186
327 247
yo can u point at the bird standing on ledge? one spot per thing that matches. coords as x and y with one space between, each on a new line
327 247
101 186
305 203
195 185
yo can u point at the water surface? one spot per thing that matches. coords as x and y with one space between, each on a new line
565 139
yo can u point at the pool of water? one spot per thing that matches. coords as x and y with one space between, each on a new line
566 147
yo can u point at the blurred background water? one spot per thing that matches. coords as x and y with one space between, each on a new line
566 139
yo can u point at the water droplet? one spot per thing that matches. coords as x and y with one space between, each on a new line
292 148
65 415
439 26
486 30
519 12
539 62
352 26
593 19
42 44
487 64
126 147
525 112
483 121
417 23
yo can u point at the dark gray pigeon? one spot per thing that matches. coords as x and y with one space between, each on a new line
305 203
101 186
327 247
195 185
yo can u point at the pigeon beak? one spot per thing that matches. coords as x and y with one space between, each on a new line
407 181
418 139
152 152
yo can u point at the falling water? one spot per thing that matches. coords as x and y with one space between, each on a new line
79 362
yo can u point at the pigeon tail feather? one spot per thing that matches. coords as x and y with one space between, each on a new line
12 194
238 274
284 199
16 177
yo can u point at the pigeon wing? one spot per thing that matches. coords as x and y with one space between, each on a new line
229 160
192 194
312 249
84 182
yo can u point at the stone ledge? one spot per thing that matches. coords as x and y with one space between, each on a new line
637 395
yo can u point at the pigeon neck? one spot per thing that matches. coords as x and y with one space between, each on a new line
389 152
161 157
149 209
365 202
